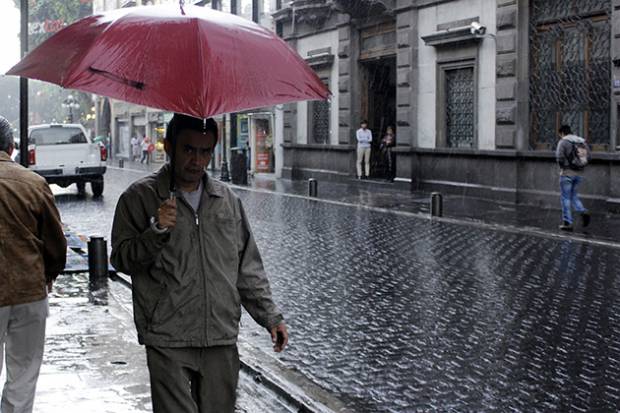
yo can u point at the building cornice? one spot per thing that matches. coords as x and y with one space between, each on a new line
451 36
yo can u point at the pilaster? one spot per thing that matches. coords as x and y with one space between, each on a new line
507 92
407 77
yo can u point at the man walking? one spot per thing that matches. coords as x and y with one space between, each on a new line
33 250
572 155
364 139
193 262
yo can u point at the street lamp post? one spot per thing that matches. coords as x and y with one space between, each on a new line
23 87
224 173
71 104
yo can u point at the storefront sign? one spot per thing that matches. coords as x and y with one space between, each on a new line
48 26
264 144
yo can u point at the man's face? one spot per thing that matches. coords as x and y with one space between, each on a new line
193 153
364 125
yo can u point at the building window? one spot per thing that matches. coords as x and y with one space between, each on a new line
570 70
456 120
318 118
460 107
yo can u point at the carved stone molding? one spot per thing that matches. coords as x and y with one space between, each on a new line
358 9
312 12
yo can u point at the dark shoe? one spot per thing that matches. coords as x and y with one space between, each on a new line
585 219
566 227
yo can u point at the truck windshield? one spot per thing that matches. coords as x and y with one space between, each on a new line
57 136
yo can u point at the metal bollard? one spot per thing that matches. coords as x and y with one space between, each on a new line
98 270
436 204
121 163
313 187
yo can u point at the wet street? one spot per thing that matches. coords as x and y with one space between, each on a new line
393 313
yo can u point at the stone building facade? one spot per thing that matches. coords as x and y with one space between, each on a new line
476 111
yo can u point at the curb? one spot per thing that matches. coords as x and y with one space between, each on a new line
293 387
289 384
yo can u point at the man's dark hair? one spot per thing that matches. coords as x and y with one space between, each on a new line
180 122
364 121
565 130
6 135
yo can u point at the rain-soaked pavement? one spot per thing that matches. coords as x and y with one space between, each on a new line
393 313
93 362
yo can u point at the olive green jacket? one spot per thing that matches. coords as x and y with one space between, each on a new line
33 248
189 284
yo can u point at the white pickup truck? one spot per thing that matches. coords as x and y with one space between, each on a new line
64 154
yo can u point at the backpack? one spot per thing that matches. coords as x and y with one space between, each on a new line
579 156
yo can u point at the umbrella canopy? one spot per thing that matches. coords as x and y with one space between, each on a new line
194 60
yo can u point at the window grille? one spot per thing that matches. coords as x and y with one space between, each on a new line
570 70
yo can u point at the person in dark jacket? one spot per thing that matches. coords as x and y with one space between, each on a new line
33 250
571 177
387 143
193 263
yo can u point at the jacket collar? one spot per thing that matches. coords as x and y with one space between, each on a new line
574 139
163 183
4 157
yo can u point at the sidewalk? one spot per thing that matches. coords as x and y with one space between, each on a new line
93 362
396 197
384 195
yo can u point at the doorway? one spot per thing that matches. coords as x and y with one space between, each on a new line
378 106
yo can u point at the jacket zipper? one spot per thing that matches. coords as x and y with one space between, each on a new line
204 280
202 271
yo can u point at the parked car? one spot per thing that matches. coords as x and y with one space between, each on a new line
64 154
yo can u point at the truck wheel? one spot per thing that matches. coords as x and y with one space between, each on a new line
97 188
81 187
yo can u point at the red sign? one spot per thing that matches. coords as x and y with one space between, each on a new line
262 162
48 26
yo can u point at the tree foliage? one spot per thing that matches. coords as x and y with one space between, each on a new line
45 18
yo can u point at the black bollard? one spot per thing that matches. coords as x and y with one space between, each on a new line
313 187
436 204
98 270
121 163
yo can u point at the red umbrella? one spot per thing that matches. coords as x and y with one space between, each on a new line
194 60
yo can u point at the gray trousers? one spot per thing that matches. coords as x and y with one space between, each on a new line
22 336
193 379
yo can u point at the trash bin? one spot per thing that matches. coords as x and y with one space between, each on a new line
238 161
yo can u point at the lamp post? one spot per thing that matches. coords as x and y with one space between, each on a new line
224 173
71 104
23 87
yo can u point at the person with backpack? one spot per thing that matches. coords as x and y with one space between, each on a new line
572 154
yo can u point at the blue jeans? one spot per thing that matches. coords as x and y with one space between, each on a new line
570 197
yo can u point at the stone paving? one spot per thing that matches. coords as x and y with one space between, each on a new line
399 314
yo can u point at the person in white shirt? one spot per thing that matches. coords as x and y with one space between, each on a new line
135 148
364 139
146 142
